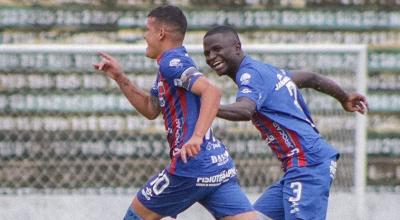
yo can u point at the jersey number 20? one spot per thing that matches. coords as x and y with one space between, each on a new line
160 183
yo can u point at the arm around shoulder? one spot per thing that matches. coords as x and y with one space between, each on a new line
242 110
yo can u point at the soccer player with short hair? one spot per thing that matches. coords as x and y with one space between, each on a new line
269 97
201 169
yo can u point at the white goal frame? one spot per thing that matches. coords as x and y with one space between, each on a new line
361 86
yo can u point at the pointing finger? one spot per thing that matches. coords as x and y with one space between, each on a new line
105 55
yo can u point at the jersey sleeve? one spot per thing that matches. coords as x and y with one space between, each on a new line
253 86
180 71
248 83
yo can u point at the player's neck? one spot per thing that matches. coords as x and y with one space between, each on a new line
169 45
236 66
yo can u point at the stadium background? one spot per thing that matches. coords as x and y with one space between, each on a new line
81 149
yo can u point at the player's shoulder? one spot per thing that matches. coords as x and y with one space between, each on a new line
267 70
248 76
249 69
256 73
175 62
176 59
254 66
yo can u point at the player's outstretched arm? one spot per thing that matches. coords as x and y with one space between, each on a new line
146 104
241 110
351 101
210 97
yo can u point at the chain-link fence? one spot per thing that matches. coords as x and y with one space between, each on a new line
65 127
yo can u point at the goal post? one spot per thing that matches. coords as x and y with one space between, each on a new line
64 127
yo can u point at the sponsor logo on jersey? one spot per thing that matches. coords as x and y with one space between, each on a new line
179 130
175 62
245 78
270 139
216 180
220 159
287 140
147 193
213 145
176 131
245 90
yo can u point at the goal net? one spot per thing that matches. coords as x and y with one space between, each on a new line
65 127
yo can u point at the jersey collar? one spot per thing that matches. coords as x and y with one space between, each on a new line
170 51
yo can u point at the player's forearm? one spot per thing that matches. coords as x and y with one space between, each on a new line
210 99
139 98
234 112
242 110
304 79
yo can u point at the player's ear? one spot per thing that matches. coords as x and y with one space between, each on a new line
161 33
238 47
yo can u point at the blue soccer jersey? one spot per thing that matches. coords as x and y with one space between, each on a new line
180 109
280 106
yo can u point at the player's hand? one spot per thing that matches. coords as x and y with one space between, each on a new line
191 148
109 65
355 102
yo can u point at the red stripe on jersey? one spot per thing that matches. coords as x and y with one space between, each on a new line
264 135
172 167
171 104
172 113
301 160
286 149
183 103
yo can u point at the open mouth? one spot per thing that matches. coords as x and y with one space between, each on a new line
218 65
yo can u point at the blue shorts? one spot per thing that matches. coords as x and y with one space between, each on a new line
169 195
302 193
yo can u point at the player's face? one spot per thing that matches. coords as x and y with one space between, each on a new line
220 53
151 35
